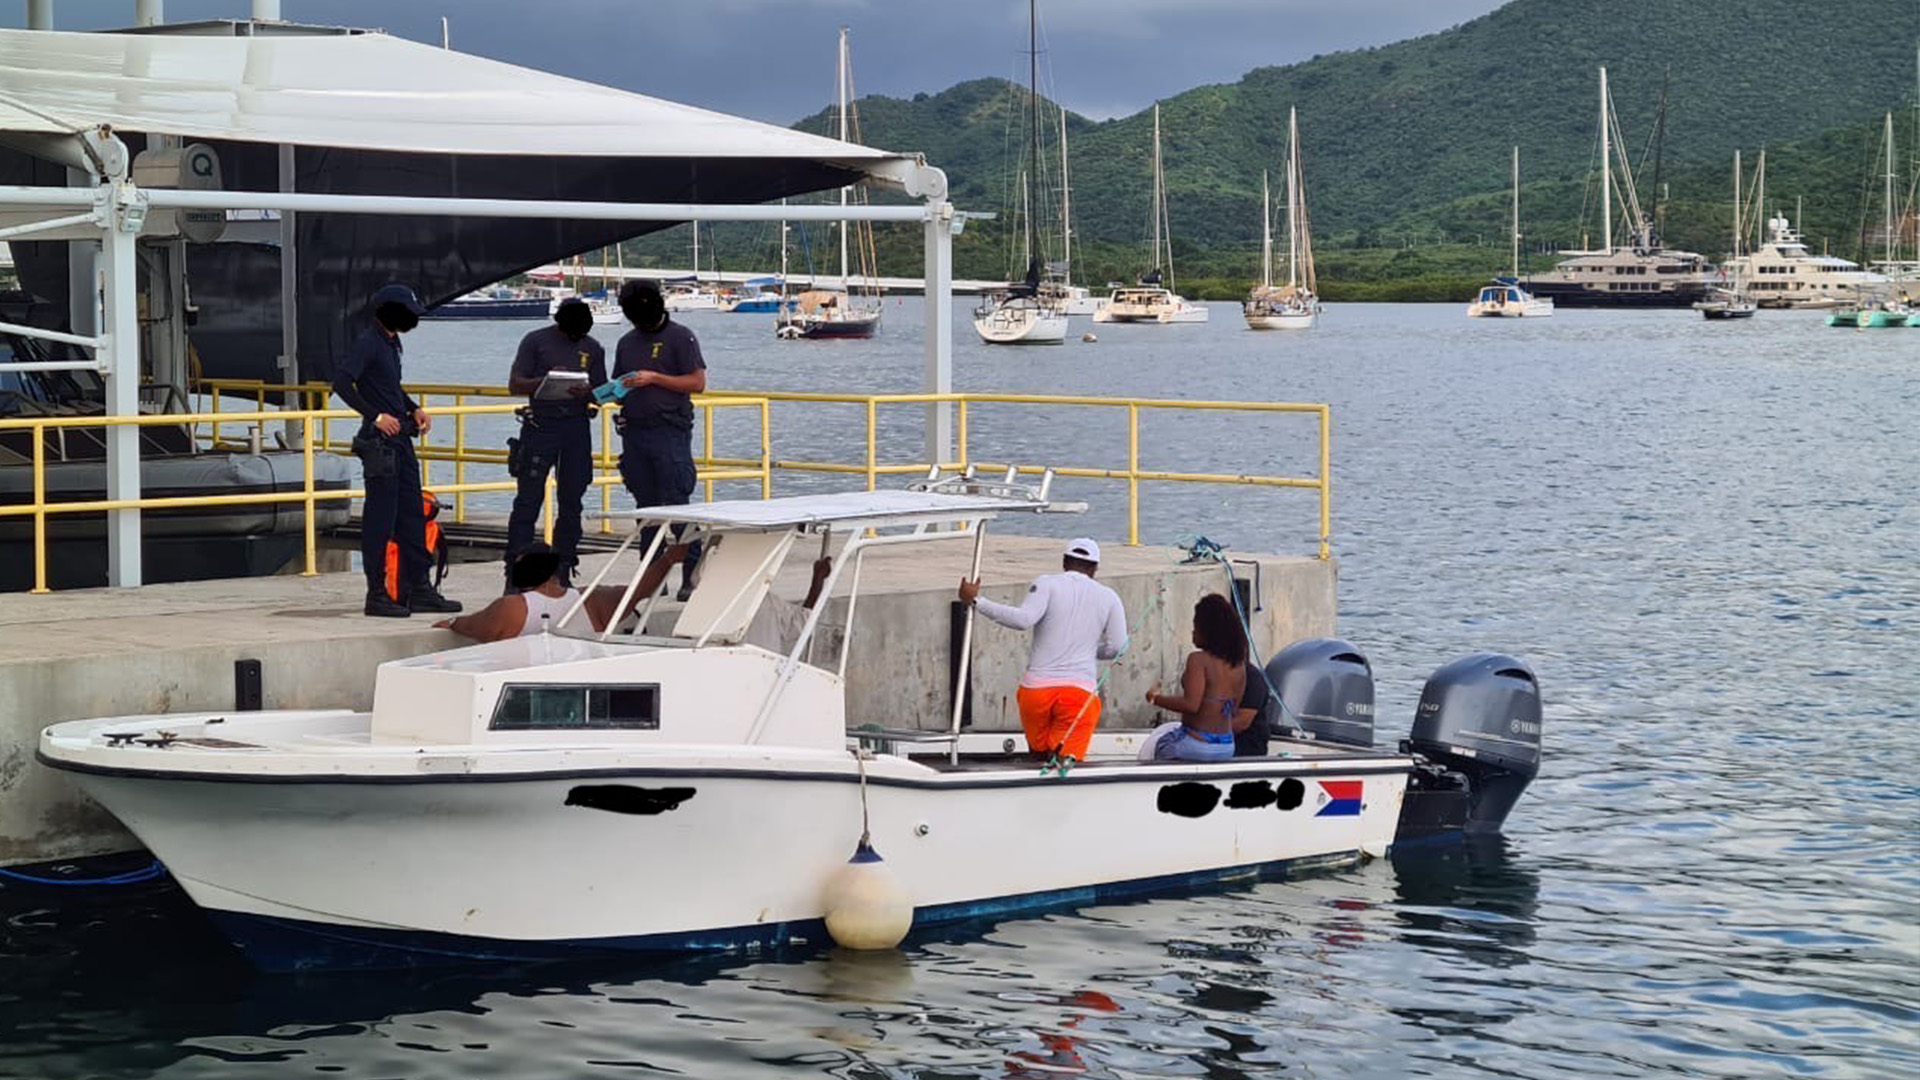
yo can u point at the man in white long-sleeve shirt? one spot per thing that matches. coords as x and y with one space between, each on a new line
1076 621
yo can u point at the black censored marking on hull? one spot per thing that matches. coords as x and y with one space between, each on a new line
1188 799
622 799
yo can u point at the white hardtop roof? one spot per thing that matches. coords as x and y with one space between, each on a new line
852 509
362 91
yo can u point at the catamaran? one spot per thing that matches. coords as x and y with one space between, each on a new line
1153 299
1296 305
844 312
668 785
1505 298
1027 313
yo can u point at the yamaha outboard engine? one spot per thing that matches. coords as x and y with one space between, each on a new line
1325 687
1478 733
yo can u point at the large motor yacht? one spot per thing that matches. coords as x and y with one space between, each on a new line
1782 273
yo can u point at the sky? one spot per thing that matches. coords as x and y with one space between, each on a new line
774 59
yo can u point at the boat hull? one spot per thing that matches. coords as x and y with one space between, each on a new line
1527 309
325 871
1292 321
1021 326
525 307
1578 295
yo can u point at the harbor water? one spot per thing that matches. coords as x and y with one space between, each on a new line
1704 539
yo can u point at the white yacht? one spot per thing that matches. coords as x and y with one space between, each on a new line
1504 297
668 789
1782 273
1295 305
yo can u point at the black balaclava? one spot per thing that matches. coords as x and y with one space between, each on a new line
642 304
574 318
396 317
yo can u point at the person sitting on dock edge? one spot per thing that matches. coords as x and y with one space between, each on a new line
368 380
1210 689
1076 621
555 434
659 367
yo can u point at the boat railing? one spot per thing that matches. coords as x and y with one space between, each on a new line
233 414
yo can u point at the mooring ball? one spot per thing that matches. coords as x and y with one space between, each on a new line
867 907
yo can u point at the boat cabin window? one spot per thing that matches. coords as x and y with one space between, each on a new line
546 706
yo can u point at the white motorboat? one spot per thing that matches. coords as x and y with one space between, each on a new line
690 296
1296 305
1505 298
684 789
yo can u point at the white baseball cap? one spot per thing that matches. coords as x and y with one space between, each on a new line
1084 548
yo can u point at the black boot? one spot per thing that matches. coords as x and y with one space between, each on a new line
425 598
382 606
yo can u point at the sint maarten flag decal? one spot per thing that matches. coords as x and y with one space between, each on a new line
1340 798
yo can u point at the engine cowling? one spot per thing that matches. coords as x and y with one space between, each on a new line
1479 717
1325 690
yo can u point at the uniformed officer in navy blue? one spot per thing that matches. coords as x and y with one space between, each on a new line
368 380
659 363
555 436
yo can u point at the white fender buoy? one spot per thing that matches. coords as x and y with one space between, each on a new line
1089 337
866 906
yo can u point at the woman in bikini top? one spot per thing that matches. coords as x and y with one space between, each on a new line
1215 674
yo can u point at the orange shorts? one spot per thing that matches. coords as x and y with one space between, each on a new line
1059 719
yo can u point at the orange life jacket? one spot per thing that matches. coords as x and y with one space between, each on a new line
436 549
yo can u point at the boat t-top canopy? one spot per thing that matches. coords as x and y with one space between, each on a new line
840 510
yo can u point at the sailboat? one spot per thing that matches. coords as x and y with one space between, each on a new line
1504 297
688 294
1730 301
1026 313
1886 309
838 313
1153 299
1640 273
1077 299
1296 305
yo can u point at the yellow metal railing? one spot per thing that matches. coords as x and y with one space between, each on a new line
316 421
872 468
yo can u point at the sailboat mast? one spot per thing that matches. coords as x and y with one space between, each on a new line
1890 246
1158 196
1516 213
1266 234
1736 203
1293 201
1606 167
1066 207
840 89
696 253
1033 123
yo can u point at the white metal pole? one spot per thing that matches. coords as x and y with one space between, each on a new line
266 10
939 343
841 90
149 12
1066 208
39 14
122 328
290 373
1606 166
83 273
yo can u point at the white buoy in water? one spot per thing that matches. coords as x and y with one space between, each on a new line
1088 337
866 906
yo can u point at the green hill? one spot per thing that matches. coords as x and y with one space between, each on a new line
1408 142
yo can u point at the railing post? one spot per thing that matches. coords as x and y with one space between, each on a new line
215 410
1133 475
311 530
961 434
606 470
873 457
460 458
1326 480
547 506
426 467
39 508
706 437
766 449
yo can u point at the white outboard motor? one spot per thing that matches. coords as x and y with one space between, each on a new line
1325 687
1478 731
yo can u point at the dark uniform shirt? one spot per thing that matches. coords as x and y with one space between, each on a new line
550 349
1253 741
368 378
670 350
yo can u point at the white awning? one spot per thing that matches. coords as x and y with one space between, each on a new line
365 92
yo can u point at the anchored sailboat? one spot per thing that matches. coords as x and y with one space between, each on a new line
1731 300
1296 305
1153 299
1027 313
838 313
1505 298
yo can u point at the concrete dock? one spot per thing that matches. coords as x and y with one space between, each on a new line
165 648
